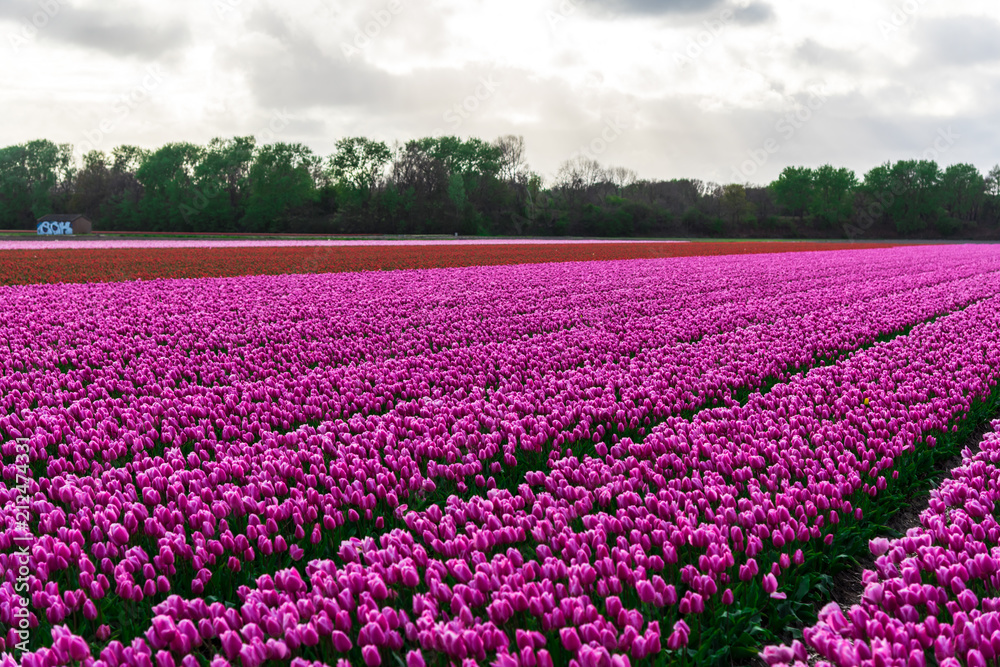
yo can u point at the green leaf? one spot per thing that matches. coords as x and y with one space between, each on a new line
803 590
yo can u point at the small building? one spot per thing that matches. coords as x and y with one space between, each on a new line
64 224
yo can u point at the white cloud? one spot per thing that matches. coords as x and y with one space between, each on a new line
697 86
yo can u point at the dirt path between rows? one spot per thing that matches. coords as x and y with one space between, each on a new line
847 585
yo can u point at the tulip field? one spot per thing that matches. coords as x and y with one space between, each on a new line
653 461
934 589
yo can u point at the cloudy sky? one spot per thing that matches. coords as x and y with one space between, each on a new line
722 90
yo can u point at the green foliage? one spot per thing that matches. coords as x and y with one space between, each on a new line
358 163
991 196
167 177
697 221
832 194
734 202
473 156
93 184
448 185
907 194
963 191
221 184
794 189
29 175
281 182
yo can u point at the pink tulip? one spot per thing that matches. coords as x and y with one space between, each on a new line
371 656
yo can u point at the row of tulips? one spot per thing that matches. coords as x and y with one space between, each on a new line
934 596
165 460
700 523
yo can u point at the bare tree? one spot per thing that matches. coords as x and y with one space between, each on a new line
580 173
993 182
413 167
711 199
992 191
513 166
621 177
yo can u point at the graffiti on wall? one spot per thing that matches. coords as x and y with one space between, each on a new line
55 228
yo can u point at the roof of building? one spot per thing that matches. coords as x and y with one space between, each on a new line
60 217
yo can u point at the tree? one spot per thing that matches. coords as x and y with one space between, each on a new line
510 200
128 158
993 182
49 167
169 198
794 190
580 173
963 190
992 193
621 177
15 192
761 201
876 190
423 181
734 202
359 163
832 194
222 178
92 189
906 194
511 161
32 175
918 203
470 157
465 183
282 184
122 209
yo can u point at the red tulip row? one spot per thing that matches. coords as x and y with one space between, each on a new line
27 267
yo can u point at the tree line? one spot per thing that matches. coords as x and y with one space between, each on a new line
450 185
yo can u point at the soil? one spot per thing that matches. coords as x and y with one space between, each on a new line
848 585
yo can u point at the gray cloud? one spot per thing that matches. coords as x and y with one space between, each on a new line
752 14
298 74
114 32
812 53
959 40
295 73
755 13
698 121
654 7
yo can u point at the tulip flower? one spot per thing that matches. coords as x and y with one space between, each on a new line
508 444
771 587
